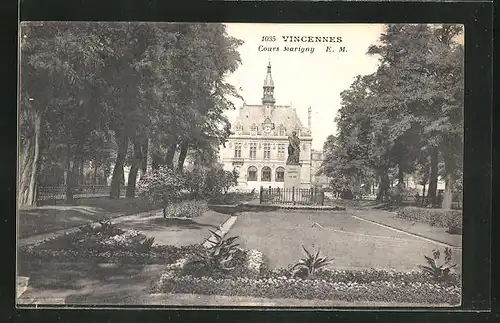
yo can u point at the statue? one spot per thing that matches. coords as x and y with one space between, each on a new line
293 150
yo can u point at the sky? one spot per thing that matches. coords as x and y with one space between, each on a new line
303 79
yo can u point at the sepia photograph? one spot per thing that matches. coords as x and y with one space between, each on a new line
240 164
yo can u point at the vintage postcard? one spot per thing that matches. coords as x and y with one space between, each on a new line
240 164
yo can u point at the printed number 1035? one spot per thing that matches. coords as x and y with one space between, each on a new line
268 38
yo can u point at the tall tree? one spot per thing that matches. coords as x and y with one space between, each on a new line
58 61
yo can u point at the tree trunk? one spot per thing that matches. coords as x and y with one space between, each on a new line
433 177
30 160
448 196
423 196
448 180
182 156
81 177
383 186
71 178
145 156
117 176
169 158
401 175
94 176
134 169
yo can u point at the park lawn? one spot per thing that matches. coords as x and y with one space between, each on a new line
352 243
43 219
176 231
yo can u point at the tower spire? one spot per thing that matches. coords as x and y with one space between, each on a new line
268 88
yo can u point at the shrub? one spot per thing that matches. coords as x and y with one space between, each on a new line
307 266
439 272
398 195
219 257
187 209
232 198
219 181
162 185
449 219
195 181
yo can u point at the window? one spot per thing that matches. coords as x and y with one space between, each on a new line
237 150
282 131
239 129
267 151
252 173
266 174
280 174
253 130
253 150
281 151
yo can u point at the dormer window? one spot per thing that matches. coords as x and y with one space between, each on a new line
239 129
253 130
282 131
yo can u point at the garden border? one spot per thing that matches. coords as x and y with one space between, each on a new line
250 207
37 238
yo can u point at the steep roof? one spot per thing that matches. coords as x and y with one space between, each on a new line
279 115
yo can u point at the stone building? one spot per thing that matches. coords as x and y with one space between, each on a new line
317 157
258 145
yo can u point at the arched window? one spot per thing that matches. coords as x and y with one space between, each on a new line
280 174
252 173
266 174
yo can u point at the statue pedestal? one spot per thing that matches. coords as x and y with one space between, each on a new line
292 176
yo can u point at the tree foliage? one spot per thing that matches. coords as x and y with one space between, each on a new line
405 118
105 95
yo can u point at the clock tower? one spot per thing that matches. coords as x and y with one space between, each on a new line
268 88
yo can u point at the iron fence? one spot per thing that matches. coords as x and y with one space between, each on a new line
292 196
55 193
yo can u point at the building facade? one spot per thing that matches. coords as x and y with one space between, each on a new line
258 146
317 157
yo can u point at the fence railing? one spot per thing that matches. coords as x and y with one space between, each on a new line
292 196
54 193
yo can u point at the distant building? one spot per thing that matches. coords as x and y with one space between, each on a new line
257 149
317 158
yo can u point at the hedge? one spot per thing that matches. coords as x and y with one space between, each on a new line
449 219
186 209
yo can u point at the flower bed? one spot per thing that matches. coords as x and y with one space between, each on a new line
375 286
105 243
376 291
252 278
449 219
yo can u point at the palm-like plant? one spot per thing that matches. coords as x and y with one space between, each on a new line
219 255
307 266
441 272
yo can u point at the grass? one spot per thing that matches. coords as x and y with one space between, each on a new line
177 232
43 219
352 243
